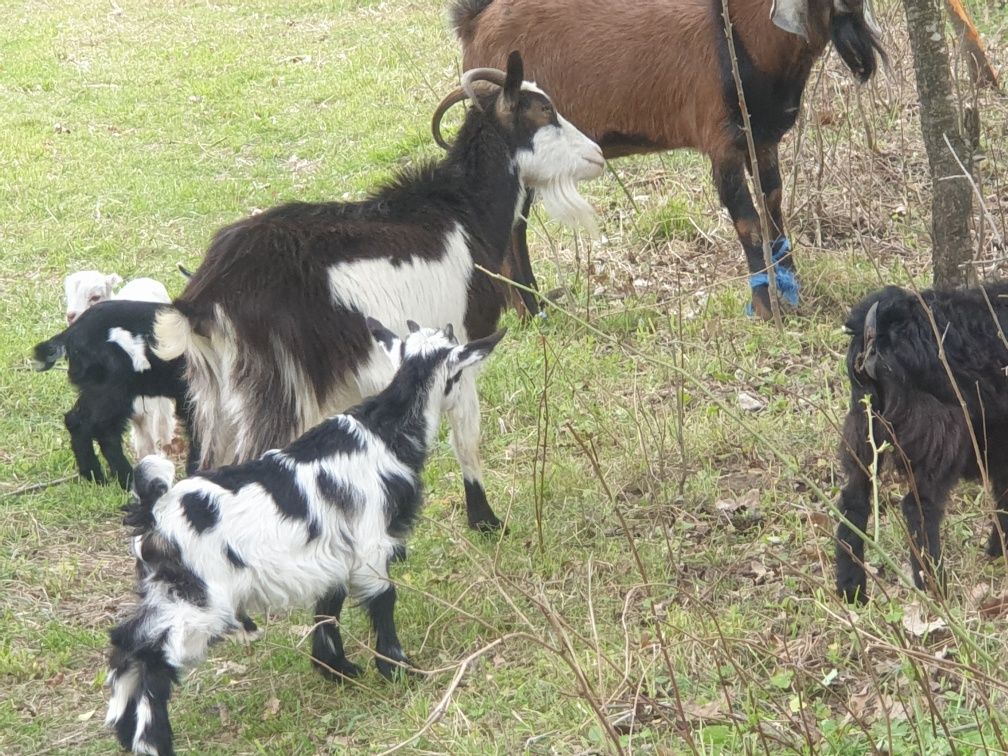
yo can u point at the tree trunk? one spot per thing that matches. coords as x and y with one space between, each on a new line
951 194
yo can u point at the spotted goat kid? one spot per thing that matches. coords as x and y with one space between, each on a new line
321 518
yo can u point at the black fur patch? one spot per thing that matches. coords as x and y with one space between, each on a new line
403 499
342 495
314 530
184 583
131 648
200 509
232 556
857 46
773 100
326 439
273 475
450 383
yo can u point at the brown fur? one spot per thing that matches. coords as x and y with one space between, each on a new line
651 75
604 47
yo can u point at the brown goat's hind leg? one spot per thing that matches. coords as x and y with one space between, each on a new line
729 177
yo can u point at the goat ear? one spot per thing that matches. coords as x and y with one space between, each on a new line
871 325
449 332
512 83
113 280
381 334
413 326
476 351
791 16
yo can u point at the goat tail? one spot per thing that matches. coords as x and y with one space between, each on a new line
140 680
463 17
173 334
48 353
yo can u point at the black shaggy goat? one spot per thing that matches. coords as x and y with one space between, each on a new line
273 322
111 363
894 360
649 75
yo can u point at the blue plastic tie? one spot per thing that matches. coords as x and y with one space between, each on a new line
787 284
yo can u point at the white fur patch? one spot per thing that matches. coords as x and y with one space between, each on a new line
134 346
560 157
430 292
123 686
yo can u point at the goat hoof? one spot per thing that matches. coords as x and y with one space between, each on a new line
95 476
400 669
488 524
995 546
855 593
337 670
760 306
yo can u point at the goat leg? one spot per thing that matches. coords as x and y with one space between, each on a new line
855 453
328 655
78 423
923 513
390 657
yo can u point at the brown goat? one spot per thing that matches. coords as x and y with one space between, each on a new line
650 75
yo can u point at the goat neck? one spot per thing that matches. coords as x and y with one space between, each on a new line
406 414
489 187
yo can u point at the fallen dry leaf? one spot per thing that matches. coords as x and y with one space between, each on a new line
993 607
915 623
750 403
748 500
271 709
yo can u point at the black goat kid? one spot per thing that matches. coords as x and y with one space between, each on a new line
894 361
111 363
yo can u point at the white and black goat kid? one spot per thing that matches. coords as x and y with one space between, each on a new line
152 425
317 521
112 366
273 322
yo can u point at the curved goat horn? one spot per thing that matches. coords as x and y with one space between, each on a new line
463 92
470 77
457 96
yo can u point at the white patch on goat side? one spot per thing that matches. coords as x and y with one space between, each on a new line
431 292
134 346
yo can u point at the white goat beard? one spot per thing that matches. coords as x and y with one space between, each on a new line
564 204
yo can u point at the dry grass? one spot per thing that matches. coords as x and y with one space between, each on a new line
666 585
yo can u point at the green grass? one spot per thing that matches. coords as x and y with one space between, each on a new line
639 575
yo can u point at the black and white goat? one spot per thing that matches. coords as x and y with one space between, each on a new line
272 322
112 364
895 360
317 521
152 425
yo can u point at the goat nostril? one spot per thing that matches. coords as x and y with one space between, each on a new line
71 319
